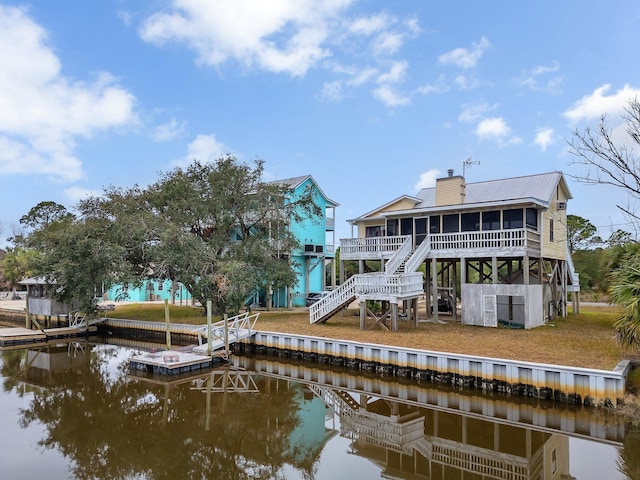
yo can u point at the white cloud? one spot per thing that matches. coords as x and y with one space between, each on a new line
465 83
440 86
545 137
463 58
168 131
75 194
387 95
473 112
597 103
204 148
332 91
427 179
492 127
42 112
369 25
362 76
536 79
387 43
279 36
396 73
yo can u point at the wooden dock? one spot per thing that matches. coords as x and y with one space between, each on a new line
18 336
12 336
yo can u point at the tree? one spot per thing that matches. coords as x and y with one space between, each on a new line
45 214
17 265
581 233
625 291
610 163
217 228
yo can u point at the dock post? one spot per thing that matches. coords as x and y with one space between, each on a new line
167 322
209 339
226 335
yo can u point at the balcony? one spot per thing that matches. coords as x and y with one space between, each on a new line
501 243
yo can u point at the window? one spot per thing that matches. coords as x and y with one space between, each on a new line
406 226
512 218
450 223
551 229
531 215
392 227
470 222
434 224
491 220
376 231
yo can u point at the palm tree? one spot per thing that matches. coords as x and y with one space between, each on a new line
16 266
624 291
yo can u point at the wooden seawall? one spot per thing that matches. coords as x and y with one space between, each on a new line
553 382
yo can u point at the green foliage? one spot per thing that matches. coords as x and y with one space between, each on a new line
17 265
625 292
581 233
217 228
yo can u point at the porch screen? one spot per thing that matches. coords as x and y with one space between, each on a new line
512 218
470 222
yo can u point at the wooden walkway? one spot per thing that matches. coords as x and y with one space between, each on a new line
18 336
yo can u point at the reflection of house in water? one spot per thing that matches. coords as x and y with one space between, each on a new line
309 437
414 442
41 366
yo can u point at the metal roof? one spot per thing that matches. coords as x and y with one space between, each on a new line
538 189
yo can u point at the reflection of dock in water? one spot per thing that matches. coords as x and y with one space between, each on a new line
541 416
439 445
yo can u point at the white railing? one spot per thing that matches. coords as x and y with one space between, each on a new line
494 239
384 285
237 327
334 300
400 256
373 285
418 256
384 247
375 247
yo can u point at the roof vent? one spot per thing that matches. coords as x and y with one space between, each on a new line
450 172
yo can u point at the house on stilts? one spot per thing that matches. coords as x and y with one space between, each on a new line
487 253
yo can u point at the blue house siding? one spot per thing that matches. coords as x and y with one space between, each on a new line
309 259
150 290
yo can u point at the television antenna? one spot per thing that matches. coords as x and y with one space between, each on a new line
468 163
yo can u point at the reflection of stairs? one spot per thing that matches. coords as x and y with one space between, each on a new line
372 428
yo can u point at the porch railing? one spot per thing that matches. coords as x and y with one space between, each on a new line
385 285
385 247
494 239
375 247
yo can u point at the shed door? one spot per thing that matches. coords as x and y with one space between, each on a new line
489 311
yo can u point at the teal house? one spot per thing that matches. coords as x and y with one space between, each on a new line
151 290
314 261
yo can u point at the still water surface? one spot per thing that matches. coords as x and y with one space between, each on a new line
72 410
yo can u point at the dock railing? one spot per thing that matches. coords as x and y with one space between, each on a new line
237 327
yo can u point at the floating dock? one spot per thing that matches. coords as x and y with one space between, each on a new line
19 336
12 336
169 362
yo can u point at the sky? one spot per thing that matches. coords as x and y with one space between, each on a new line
374 99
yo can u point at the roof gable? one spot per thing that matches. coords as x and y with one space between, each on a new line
296 182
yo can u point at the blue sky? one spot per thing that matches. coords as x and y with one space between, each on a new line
374 99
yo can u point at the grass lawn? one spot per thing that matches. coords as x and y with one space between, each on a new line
584 340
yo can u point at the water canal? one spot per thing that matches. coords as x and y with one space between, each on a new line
73 410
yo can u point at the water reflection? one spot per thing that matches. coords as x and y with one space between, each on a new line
263 419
